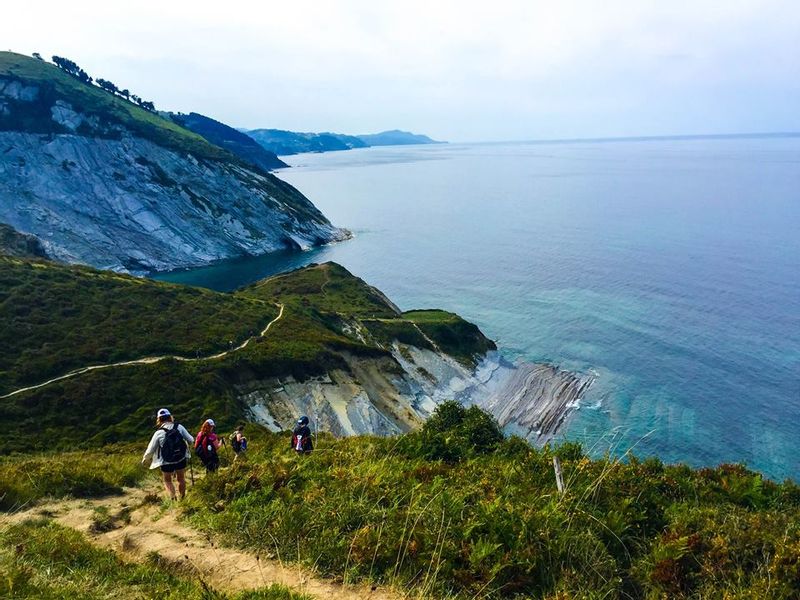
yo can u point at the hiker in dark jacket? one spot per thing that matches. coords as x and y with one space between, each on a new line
238 443
169 450
301 437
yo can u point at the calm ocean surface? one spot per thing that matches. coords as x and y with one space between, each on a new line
671 269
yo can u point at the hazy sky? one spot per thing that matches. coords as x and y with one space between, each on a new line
456 70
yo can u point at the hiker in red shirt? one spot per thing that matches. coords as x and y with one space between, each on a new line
206 445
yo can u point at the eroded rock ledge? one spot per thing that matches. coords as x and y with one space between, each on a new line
375 397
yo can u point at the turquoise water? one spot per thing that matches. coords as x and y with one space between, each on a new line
671 269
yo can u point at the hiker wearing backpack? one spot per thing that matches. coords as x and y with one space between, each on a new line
301 437
238 443
169 450
207 444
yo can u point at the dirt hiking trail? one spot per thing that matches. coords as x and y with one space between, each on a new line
147 360
137 524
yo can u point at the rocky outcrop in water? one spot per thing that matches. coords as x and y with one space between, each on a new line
534 400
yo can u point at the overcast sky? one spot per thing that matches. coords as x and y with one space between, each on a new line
456 70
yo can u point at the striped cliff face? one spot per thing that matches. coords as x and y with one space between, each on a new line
373 396
130 205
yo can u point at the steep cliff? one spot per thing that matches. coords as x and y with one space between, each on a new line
104 182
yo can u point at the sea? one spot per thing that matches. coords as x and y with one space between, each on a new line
669 269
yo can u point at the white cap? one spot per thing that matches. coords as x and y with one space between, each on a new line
211 422
164 412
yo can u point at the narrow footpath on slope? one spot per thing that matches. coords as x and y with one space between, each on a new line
140 525
147 360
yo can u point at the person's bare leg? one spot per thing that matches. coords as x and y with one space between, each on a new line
168 485
181 482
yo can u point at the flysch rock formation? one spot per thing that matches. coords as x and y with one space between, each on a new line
534 400
375 397
97 194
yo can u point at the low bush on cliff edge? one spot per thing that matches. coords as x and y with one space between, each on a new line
457 509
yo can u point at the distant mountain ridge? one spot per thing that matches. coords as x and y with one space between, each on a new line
285 143
291 142
229 138
396 137
103 181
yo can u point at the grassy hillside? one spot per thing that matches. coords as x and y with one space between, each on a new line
27 478
56 85
59 318
455 509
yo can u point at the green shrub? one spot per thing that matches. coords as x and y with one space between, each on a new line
454 433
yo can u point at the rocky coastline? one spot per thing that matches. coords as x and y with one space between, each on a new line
373 396
534 400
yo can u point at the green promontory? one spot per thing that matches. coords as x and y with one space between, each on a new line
57 319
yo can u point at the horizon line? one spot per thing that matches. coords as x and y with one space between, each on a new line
643 138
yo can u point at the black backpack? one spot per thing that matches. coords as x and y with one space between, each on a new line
205 451
173 450
301 439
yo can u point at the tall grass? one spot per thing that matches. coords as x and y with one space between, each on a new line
41 560
456 509
25 479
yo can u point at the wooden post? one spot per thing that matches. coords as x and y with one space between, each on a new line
559 475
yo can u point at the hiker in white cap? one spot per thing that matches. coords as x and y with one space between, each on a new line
207 444
169 450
